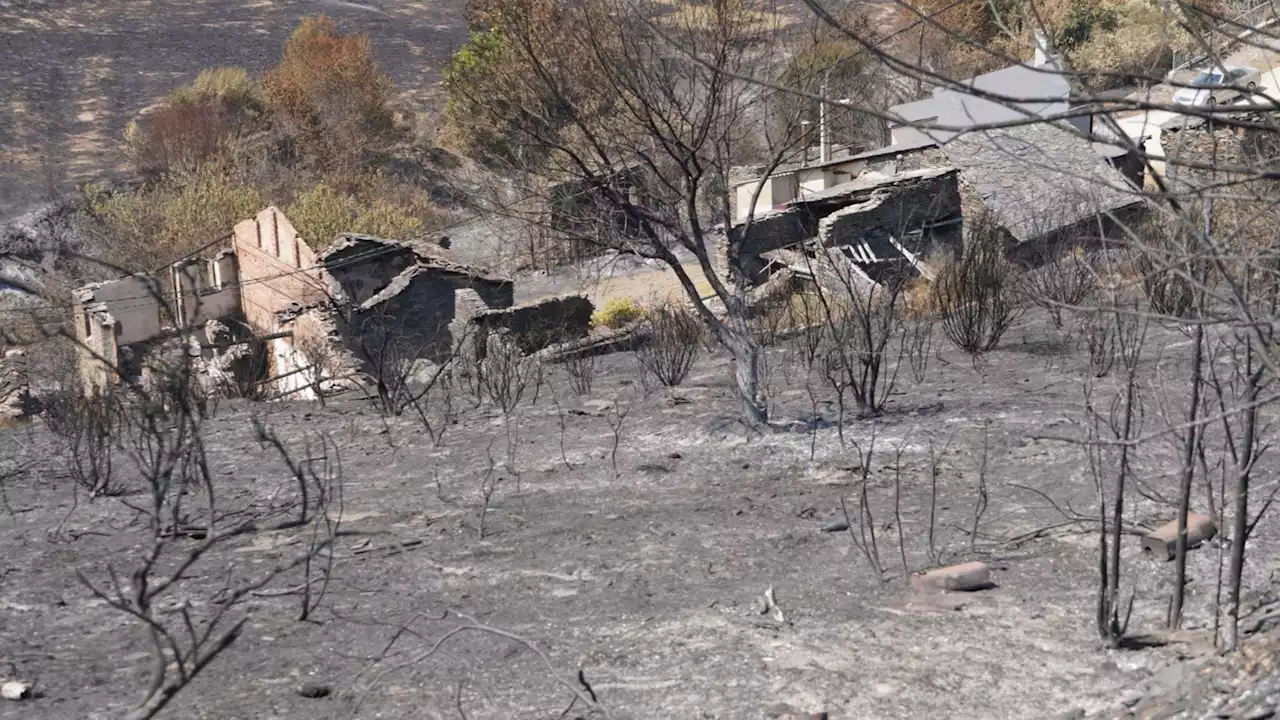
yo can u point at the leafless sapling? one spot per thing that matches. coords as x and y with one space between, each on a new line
318 474
863 531
1061 280
863 316
972 294
489 482
88 428
980 496
162 441
672 345
1122 423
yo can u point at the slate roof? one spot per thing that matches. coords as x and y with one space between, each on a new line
429 256
1038 178
1022 91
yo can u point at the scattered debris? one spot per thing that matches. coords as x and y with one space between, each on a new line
388 550
1163 541
965 577
17 690
314 691
783 711
769 603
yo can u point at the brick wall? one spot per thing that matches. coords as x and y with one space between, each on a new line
276 267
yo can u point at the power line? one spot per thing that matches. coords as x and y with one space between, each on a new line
151 298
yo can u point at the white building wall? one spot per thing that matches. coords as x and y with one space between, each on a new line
286 362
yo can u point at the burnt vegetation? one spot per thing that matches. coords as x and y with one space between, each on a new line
977 441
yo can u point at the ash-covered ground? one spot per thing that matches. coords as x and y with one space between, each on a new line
647 576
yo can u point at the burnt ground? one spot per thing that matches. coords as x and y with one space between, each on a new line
647 579
74 72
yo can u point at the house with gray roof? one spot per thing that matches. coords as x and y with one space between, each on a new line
1042 180
1025 92
1013 93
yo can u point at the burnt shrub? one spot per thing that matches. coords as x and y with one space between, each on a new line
673 345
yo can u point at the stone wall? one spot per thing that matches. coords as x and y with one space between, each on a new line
364 267
1207 144
412 323
539 325
15 397
908 208
877 206
925 158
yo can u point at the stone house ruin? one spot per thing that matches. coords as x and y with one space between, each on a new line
118 322
1039 183
1043 185
871 225
387 305
1047 93
277 312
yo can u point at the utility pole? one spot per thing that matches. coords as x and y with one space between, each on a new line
824 123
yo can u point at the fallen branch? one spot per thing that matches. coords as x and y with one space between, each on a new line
581 691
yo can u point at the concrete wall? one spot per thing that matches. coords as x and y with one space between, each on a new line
795 184
204 290
277 269
137 303
926 110
811 180
776 191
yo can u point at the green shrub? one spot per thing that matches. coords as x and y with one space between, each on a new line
320 213
1143 41
385 219
166 220
470 127
1083 23
616 313
232 85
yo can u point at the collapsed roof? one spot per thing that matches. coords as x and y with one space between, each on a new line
357 248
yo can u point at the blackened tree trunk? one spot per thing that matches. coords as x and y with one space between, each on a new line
1240 523
1188 473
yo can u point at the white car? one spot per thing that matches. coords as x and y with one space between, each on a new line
1215 85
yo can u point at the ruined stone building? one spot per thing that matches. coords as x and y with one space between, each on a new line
872 224
275 310
385 304
119 322
1038 183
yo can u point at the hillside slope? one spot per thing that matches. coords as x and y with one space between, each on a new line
74 72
